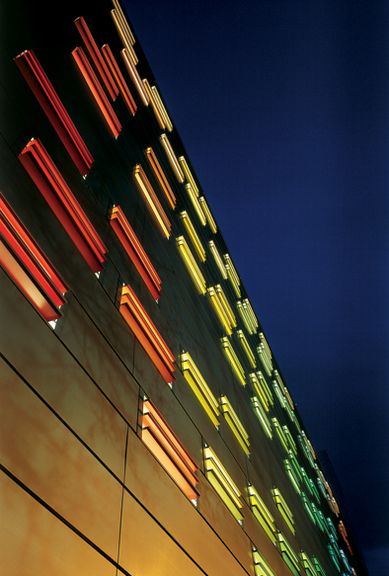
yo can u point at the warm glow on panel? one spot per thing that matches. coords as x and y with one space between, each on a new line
50 182
262 513
168 450
289 556
119 79
160 177
232 359
261 389
97 91
222 483
199 387
207 213
260 565
262 417
246 348
188 174
55 111
218 259
283 509
134 75
191 265
172 158
153 204
146 333
28 266
194 238
134 249
235 424
195 203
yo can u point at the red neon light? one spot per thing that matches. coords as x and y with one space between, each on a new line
146 333
116 73
63 203
98 60
28 266
55 111
97 91
135 251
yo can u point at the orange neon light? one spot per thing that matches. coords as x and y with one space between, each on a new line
161 177
153 204
119 78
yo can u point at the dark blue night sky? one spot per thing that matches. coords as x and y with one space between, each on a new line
283 106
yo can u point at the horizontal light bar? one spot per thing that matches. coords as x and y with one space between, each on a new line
283 509
288 555
188 174
55 111
199 387
134 75
262 417
222 483
207 213
235 424
246 348
194 238
233 360
153 204
218 259
119 79
191 265
262 514
161 177
172 158
261 389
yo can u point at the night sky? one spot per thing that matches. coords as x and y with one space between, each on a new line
283 106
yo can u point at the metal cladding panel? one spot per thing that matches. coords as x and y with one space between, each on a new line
48 545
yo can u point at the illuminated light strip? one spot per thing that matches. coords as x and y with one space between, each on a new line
233 273
222 483
135 251
328 488
188 174
280 433
97 58
333 505
261 415
295 465
167 448
123 36
314 490
157 113
308 565
199 387
218 308
49 181
172 158
28 266
288 555
134 75
333 556
251 314
191 265
235 424
261 389
290 472
335 544
280 397
153 204
97 91
264 341
195 203
266 362
318 567
218 259
283 509
233 360
308 508
284 389
321 520
320 474
262 514
55 111
331 527
343 532
290 412
207 213
261 567
246 348
191 231
290 439
119 78
346 563
146 333
306 480
251 329
161 177
233 283
308 444
305 450
161 107
123 19
226 305
321 487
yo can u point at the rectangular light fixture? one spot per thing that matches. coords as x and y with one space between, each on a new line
246 348
199 387
146 333
222 308
158 107
283 387
194 238
283 509
333 557
188 174
290 439
97 58
235 424
295 465
261 389
247 316
124 31
291 475
288 555
305 449
168 450
232 275
280 433
172 158
134 75
261 567
191 265
195 203
232 359
318 567
265 359
119 79
161 177
50 182
97 91
153 204
28 266
208 215
262 514
55 111
222 483
280 397
262 417
308 565
135 251
343 532
218 259
124 21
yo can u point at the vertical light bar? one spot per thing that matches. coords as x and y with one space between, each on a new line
188 174
134 75
191 231
123 20
121 30
218 259
172 158
161 177
153 204
232 359
191 265
119 78
207 213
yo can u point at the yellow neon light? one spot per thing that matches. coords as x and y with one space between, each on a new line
218 259
247 315
246 348
123 19
172 158
152 202
188 174
121 30
262 514
191 231
280 433
195 203
136 79
161 107
284 388
160 176
191 265
233 360
250 312
261 415
261 389
234 277
219 309
226 305
207 213
265 343
235 424
284 509
199 387
222 483
159 117
260 565
264 358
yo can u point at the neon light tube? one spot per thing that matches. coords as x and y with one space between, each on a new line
191 265
235 424
119 79
161 177
172 158
134 75
195 240
199 387
153 204
188 174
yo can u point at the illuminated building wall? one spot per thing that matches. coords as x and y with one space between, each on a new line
146 429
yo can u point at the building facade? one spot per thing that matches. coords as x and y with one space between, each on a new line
146 428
